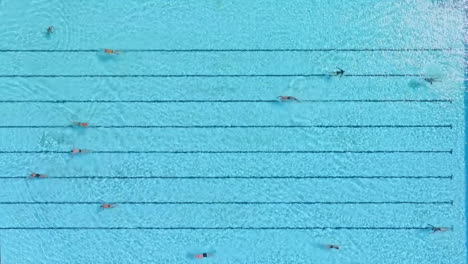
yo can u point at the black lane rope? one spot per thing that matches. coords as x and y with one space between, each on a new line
231 177
236 50
233 203
201 75
227 101
381 228
231 152
237 126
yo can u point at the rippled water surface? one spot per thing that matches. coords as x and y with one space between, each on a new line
191 144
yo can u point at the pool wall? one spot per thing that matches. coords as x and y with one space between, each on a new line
465 81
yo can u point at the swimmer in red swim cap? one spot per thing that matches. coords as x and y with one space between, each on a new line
111 51
81 124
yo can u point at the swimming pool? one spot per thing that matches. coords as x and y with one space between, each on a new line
191 145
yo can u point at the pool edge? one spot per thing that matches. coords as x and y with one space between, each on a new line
465 99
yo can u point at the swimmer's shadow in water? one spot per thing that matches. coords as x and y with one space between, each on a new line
328 77
416 84
104 57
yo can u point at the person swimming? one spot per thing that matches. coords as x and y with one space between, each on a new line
287 98
431 80
78 151
81 124
333 246
438 229
37 175
339 72
107 205
50 30
203 255
111 51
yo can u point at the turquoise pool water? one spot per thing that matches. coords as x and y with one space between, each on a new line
191 145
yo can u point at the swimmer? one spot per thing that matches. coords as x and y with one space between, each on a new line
333 246
77 151
50 30
107 206
81 124
287 98
203 255
111 51
438 229
431 80
339 72
37 175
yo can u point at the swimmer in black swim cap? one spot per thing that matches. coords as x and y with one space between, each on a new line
78 151
339 72
203 255
37 175
287 98
438 229
431 80
333 246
